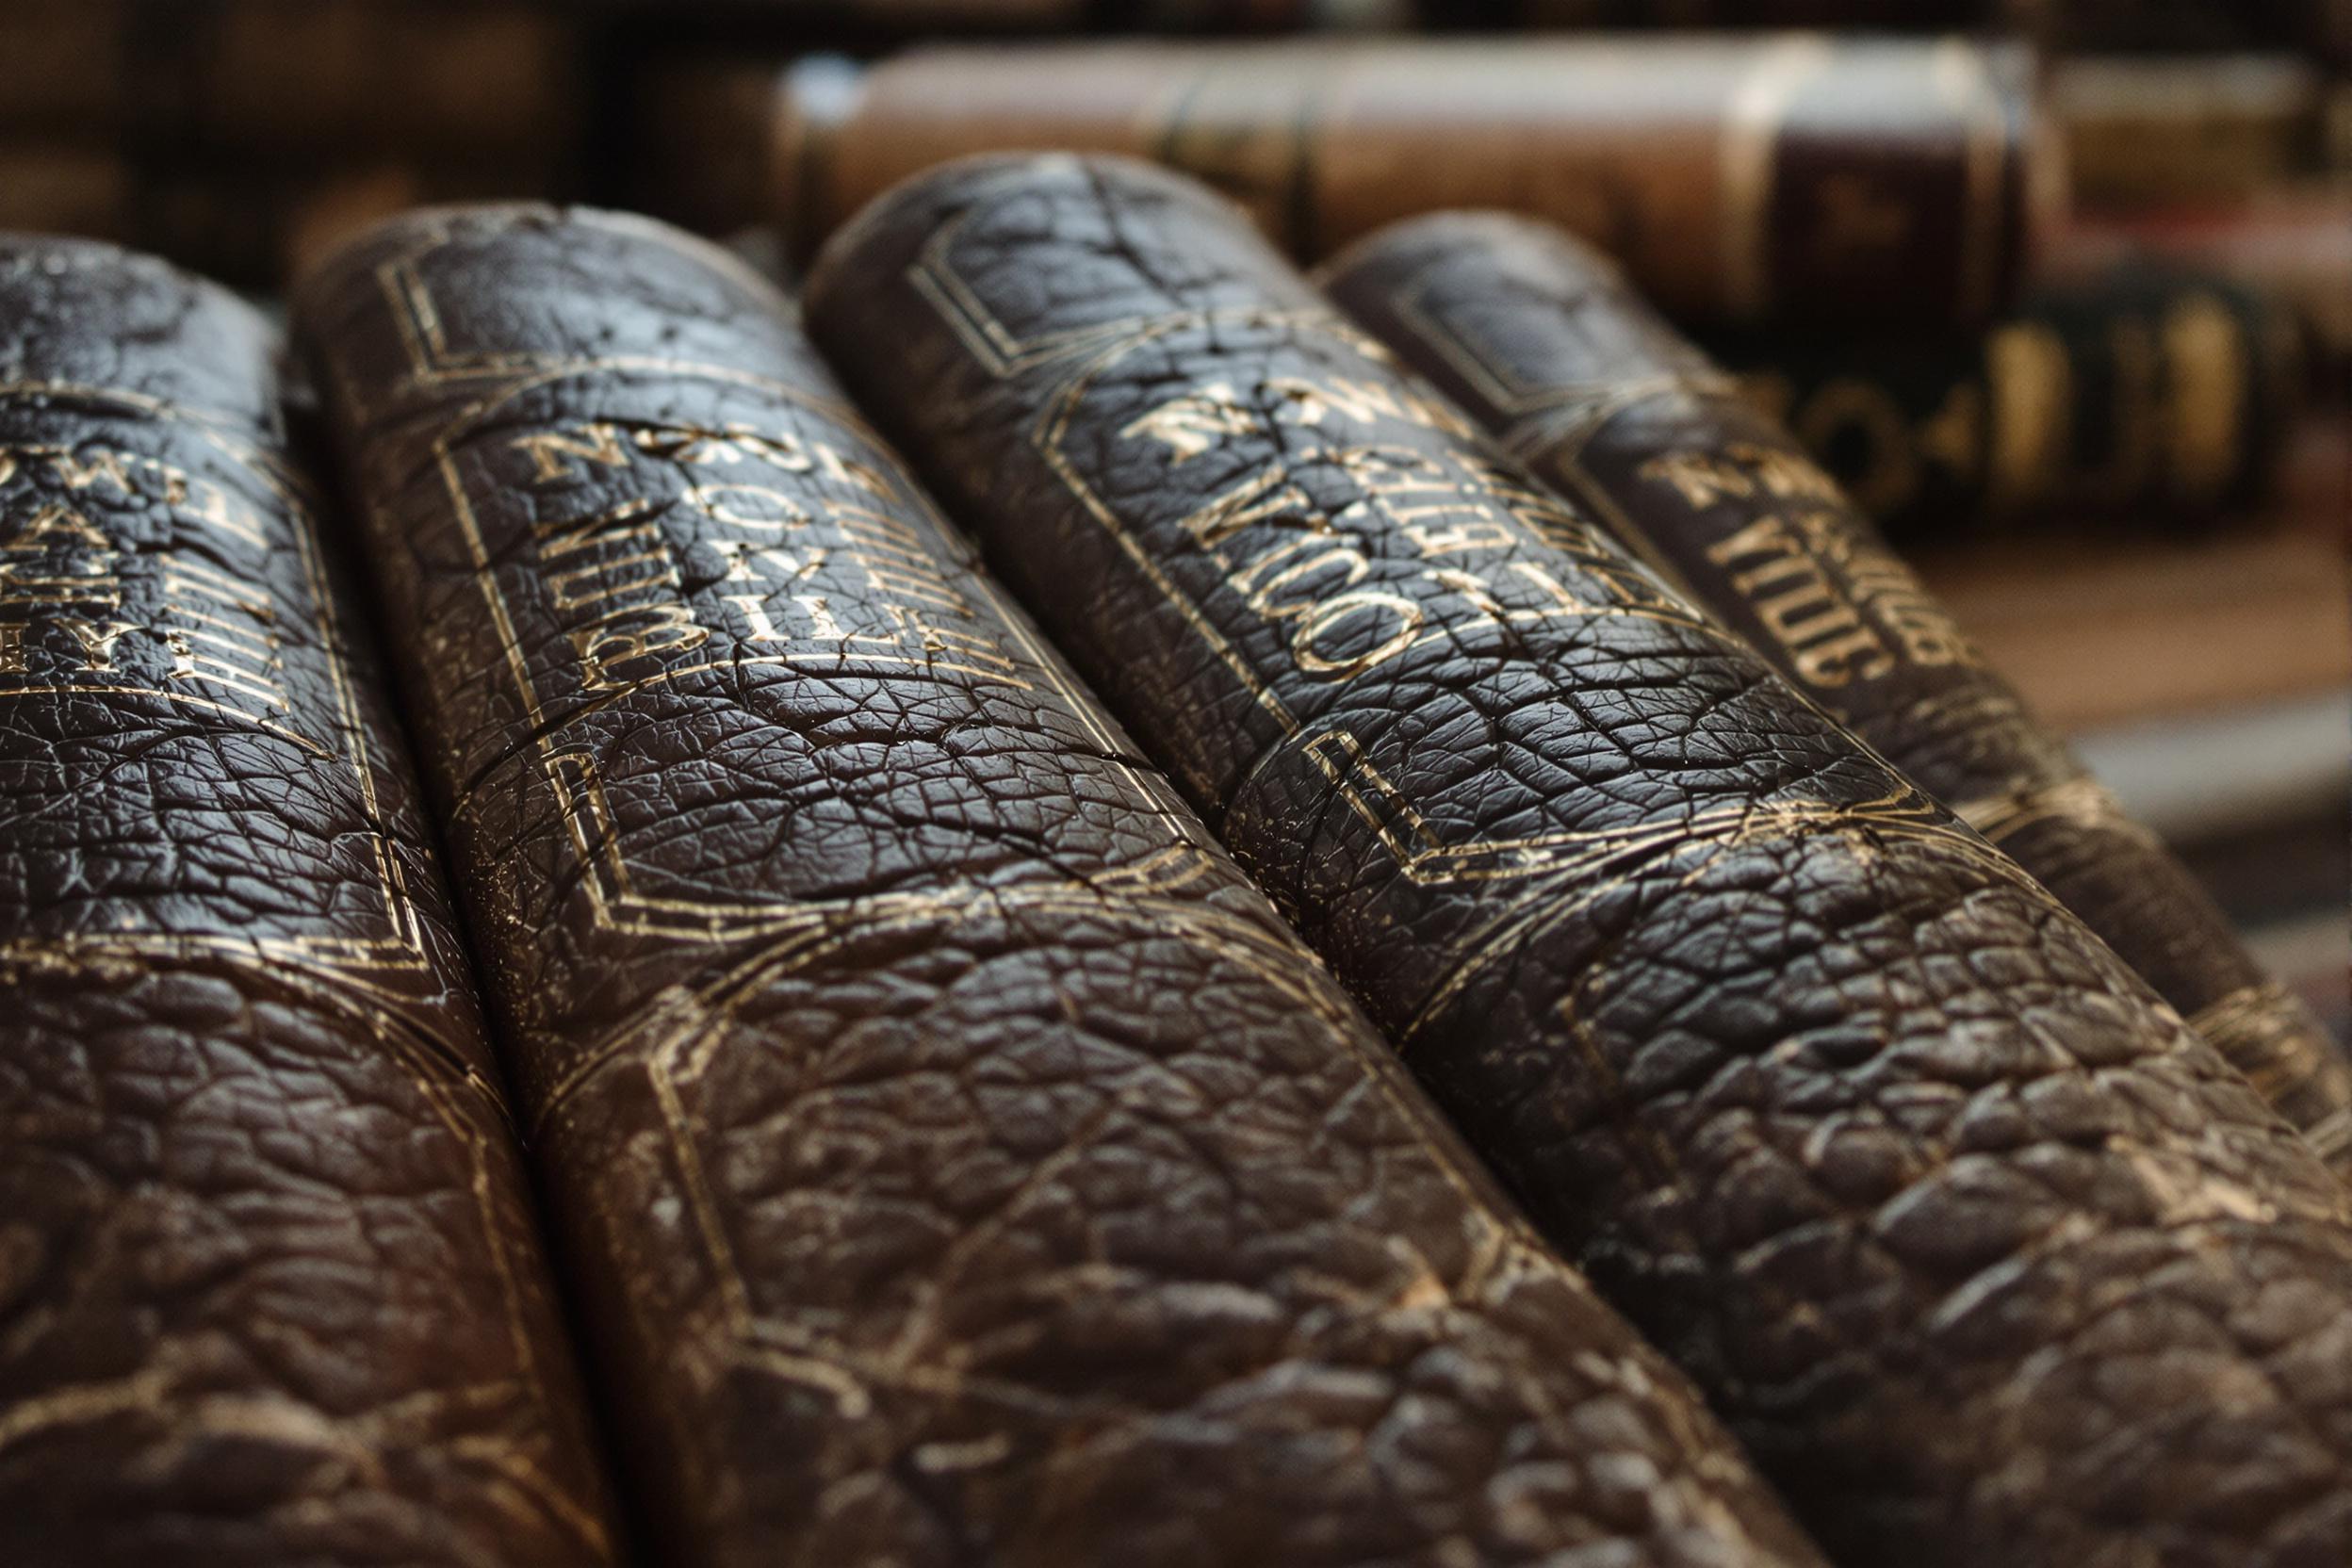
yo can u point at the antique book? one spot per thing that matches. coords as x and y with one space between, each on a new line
2321 28
1941 1206
1740 178
2291 244
1542 341
496 79
2150 398
2185 127
957 1160
271 1287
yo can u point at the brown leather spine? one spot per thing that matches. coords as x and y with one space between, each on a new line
1543 342
269 1287
487 81
960 1161
1785 176
1942 1207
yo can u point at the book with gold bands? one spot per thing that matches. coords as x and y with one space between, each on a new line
271 1284
956 1159
1788 176
1895 1156
1541 340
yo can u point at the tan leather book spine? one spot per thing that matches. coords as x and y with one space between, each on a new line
1793 175
957 1160
1543 342
270 1285
1945 1210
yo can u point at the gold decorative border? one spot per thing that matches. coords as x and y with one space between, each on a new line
573 777
404 949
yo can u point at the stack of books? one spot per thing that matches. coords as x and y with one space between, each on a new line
1207 803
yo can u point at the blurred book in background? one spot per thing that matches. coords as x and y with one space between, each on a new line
2209 683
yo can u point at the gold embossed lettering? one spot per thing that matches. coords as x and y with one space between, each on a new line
552 452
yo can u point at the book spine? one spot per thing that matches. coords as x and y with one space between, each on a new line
2293 247
1541 340
2185 127
271 1278
1785 177
950 1144
1845 1112
2145 396
295 79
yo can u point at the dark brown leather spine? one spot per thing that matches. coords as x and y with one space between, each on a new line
294 80
2146 399
960 1161
1543 342
1985 1256
269 1286
1737 178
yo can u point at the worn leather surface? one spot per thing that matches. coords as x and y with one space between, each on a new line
960 1161
1985 1256
1768 177
1541 340
269 1287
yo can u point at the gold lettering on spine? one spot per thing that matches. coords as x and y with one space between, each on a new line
1333 612
635 634
96 639
238 649
1192 424
1827 592
600 444
218 627
627 574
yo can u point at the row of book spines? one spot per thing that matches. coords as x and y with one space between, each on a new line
2139 397
247 74
1791 178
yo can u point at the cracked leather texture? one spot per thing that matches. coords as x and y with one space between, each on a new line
270 1289
1540 339
1984 1256
957 1160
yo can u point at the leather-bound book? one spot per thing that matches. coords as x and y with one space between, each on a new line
1541 340
1776 177
271 1288
2141 398
1985 1256
957 1159
501 80
2292 245
2183 127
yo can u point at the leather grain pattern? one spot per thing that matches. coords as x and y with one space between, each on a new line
960 1163
1541 340
1785 176
1984 1254
271 1292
